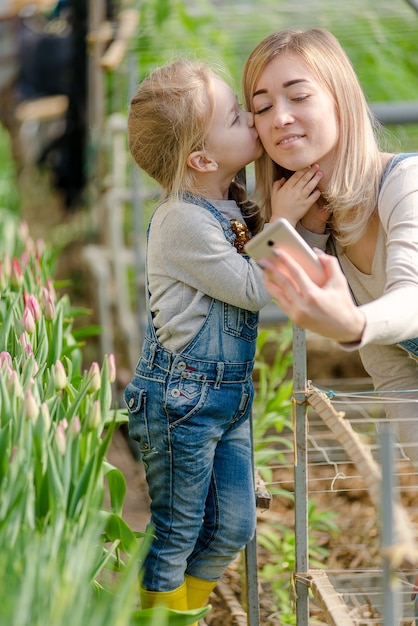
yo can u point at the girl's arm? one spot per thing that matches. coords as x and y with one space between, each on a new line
195 251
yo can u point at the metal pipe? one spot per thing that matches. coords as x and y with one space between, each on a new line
396 112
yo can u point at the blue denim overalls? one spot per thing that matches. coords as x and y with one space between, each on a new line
189 412
411 345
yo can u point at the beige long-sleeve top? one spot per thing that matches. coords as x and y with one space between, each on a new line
190 261
388 296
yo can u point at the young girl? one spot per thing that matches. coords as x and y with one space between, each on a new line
190 398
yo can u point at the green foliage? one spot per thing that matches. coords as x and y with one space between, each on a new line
272 402
64 557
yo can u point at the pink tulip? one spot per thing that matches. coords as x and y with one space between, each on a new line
75 426
5 360
95 416
60 375
112 367
28 321
61 438
49 308
16 276
95 377
34 307
31 406
50 287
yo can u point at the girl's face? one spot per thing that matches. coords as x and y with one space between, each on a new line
232 140
295 116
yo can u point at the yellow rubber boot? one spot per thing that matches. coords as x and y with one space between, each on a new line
198 592
175 599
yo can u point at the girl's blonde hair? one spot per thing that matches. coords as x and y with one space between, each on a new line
354 184
169 118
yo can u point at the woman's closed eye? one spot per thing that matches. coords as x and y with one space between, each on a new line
262 109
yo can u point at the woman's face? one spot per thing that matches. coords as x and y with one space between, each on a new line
295 116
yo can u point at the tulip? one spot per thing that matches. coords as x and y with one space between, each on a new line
75 426
34 306
13 384
49 308
61 438
95 377
112 368
50 287
16 276
60 375
24 340
5 360
46 416
31 406
29 350
28 321
95 417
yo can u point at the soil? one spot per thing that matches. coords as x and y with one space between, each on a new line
357 545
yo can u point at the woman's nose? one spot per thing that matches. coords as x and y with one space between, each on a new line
282 117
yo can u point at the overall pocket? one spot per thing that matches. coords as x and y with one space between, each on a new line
186 393
240 322
136 401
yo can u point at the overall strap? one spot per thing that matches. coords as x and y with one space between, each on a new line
393 162
225 223
204 203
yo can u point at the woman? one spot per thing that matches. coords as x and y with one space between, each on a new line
310 112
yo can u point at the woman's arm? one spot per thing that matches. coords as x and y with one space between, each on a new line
328 310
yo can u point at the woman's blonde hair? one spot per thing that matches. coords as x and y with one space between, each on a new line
354 184
169 118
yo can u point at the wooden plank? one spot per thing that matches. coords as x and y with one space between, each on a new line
336 612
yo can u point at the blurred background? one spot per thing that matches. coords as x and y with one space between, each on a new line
68 70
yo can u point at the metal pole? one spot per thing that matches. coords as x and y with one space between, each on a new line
391 612
251 566
300 473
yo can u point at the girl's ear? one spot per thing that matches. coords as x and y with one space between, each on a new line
201 163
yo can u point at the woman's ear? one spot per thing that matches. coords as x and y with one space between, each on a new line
201 163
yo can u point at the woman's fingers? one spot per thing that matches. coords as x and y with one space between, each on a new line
328 310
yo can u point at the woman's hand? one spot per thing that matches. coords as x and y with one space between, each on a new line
328 310
293 198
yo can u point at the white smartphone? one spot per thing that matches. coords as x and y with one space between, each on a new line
281 234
